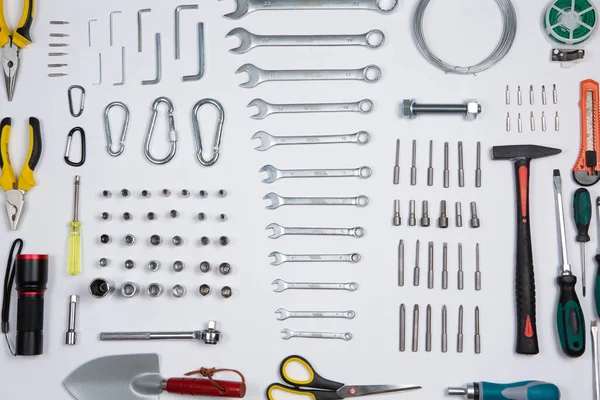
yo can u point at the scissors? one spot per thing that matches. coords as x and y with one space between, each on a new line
320 388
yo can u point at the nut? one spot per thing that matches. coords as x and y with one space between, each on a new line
203 193
223 240
151 216
155 240
177 241
225 269
178 291
473 109
106 194
129 264
407 109
174 214
103 262
185 193
222 217
226 292
205 266
201 216
146 194
166 192
105 216
105 239
178 266
154 290
130 289
204 289
127 216
154 265
204 240
222 193
125 192
129 239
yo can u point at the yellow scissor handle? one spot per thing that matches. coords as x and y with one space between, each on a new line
26 178
314 380
21 36
7 179
275 387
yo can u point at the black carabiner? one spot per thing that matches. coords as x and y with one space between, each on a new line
68 149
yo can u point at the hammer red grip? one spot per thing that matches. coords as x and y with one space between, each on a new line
204 387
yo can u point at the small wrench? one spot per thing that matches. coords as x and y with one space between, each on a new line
284 314
283 285
288 334
283 258
256 76
372 39
268 141
279 231
278 201
265 109
247 6
275 174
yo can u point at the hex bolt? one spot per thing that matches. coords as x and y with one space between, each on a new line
178 266
397 221
203 194
166 192
151 216
146 194
443 219
127 216
106 194
129 239
458 209
470 109
461 171
185 193
223 240
105 216
474 217
201 216
425 214
413 168
105 239
155 240
204 289
225 269
177 240
174 214
154 265
204 240
129 264
412 220
103 262
446 165
226 292
178 291
205 267
222 193
430 168
222 217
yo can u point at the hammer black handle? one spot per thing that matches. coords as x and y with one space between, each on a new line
527 340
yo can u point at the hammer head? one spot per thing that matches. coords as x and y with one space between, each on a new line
523 151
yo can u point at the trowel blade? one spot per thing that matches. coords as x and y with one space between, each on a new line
122 377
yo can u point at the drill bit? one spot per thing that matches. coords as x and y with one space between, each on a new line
532 122
460 268
402 327
478 168
477 332
428 329
430 270
507 95
543 122
519 123
507 121
459 336
401 263
556 122
531 99
519 96
415 332
444 329
477 270
397 166
413 169
554 94
461 171
445 266
543 94
430 169
417 270
446 166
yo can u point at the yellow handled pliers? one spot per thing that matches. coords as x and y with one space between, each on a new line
14 187
13 43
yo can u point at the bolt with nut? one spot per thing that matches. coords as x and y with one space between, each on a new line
470 109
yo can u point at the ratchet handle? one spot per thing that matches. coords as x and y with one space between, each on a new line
204 387
22 35
569 318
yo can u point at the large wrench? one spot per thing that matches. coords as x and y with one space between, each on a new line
275 174
256 76
283 258
283 314
279 231
283 285
269 141
265 109
278 201
247 6
372 39
288 334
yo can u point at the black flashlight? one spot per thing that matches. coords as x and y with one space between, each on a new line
31 277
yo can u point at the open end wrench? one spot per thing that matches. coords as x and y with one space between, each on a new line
372 39
256 76
278 201
268 141
283 285
279 231
275 174
288 334
247 6
283 314
283 258
265 109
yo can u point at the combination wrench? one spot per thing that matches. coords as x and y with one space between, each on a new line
265 109
278 201
268 141
288 334
283 285
247 6
283 314
281 258
256 76
275 174
372 39
279 231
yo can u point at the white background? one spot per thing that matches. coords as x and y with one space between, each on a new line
462 32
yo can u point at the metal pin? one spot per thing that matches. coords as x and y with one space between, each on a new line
397 166
444 329
430 270
122 68
459 336
428 329
458 209
507 95
71 336
543 94
556 122
57 54
59 35
99 70
417 270
543 122
445 266
58 44
477 332
554 94
139 26
415 332
401 263
446 166
532 122
531 99
425 221
57 75
519 123
412 219
413 169
478 168
59 22
508 122
90 31
112 14
461 275
430 169
519 96
402 327
397 221
57 65
461 171
477 269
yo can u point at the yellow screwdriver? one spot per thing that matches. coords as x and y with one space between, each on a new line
74 263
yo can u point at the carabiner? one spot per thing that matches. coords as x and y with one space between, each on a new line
81 102
218 134
172 132
109 142
68 149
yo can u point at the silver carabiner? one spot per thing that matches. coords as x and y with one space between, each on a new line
74 113
172 132
109 142
218 134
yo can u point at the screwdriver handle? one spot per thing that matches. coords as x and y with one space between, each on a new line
569 317
74 261
597 285
526 390
582 212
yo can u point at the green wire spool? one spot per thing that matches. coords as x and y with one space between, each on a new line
570 22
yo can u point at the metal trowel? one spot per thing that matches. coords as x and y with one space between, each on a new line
137 377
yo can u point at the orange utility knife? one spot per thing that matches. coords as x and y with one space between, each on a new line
586 171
